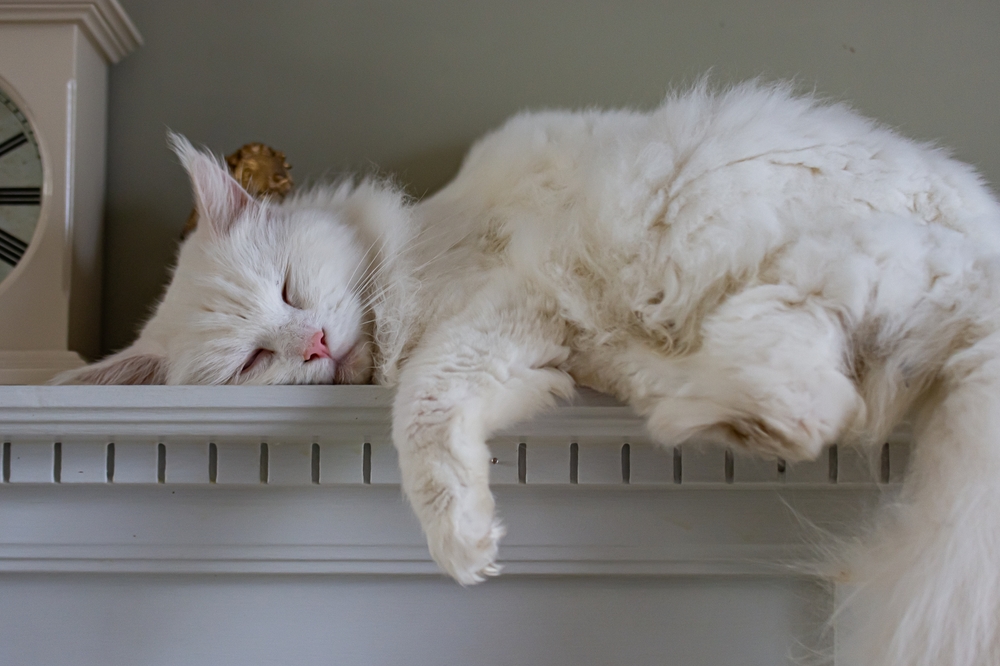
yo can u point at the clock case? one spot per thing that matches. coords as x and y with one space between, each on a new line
54 60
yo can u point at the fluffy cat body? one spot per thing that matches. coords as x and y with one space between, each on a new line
747 266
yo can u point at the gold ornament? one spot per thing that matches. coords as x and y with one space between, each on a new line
260 169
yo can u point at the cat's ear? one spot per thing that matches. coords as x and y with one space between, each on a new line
129 366
219 198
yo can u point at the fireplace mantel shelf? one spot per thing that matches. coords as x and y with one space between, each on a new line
303 479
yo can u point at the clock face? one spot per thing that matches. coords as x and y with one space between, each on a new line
20 184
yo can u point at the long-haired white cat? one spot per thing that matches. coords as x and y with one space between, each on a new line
745 265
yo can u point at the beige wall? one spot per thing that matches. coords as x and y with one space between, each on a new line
406 85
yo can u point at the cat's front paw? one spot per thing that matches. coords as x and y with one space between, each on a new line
470 557
462 534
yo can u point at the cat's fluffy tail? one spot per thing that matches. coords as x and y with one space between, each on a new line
928 582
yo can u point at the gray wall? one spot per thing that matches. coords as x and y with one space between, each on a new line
405 86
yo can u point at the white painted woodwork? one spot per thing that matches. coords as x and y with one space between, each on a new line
246 455
153 481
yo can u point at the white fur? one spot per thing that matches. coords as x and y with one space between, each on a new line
745 265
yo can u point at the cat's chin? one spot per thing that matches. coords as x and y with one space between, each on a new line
355 367
353 376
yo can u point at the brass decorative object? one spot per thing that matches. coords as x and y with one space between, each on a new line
260 169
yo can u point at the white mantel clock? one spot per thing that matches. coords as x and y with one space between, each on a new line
54 59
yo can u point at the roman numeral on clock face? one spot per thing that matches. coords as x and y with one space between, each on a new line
20 196
13 142
12 248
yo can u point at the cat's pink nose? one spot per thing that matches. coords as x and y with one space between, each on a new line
317 348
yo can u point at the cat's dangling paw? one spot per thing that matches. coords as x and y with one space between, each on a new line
464 542
469 562
492 570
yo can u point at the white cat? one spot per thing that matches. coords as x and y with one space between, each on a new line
746 265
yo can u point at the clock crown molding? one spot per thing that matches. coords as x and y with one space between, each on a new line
103 21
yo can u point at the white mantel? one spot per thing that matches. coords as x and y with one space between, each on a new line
144 513
309 476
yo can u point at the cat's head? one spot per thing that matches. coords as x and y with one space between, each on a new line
262 293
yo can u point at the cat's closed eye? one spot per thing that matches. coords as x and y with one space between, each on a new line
257 359
285 296
289 296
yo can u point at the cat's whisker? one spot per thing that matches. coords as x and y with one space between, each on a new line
367 253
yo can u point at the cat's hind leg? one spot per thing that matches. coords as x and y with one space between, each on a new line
486 369
770 375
